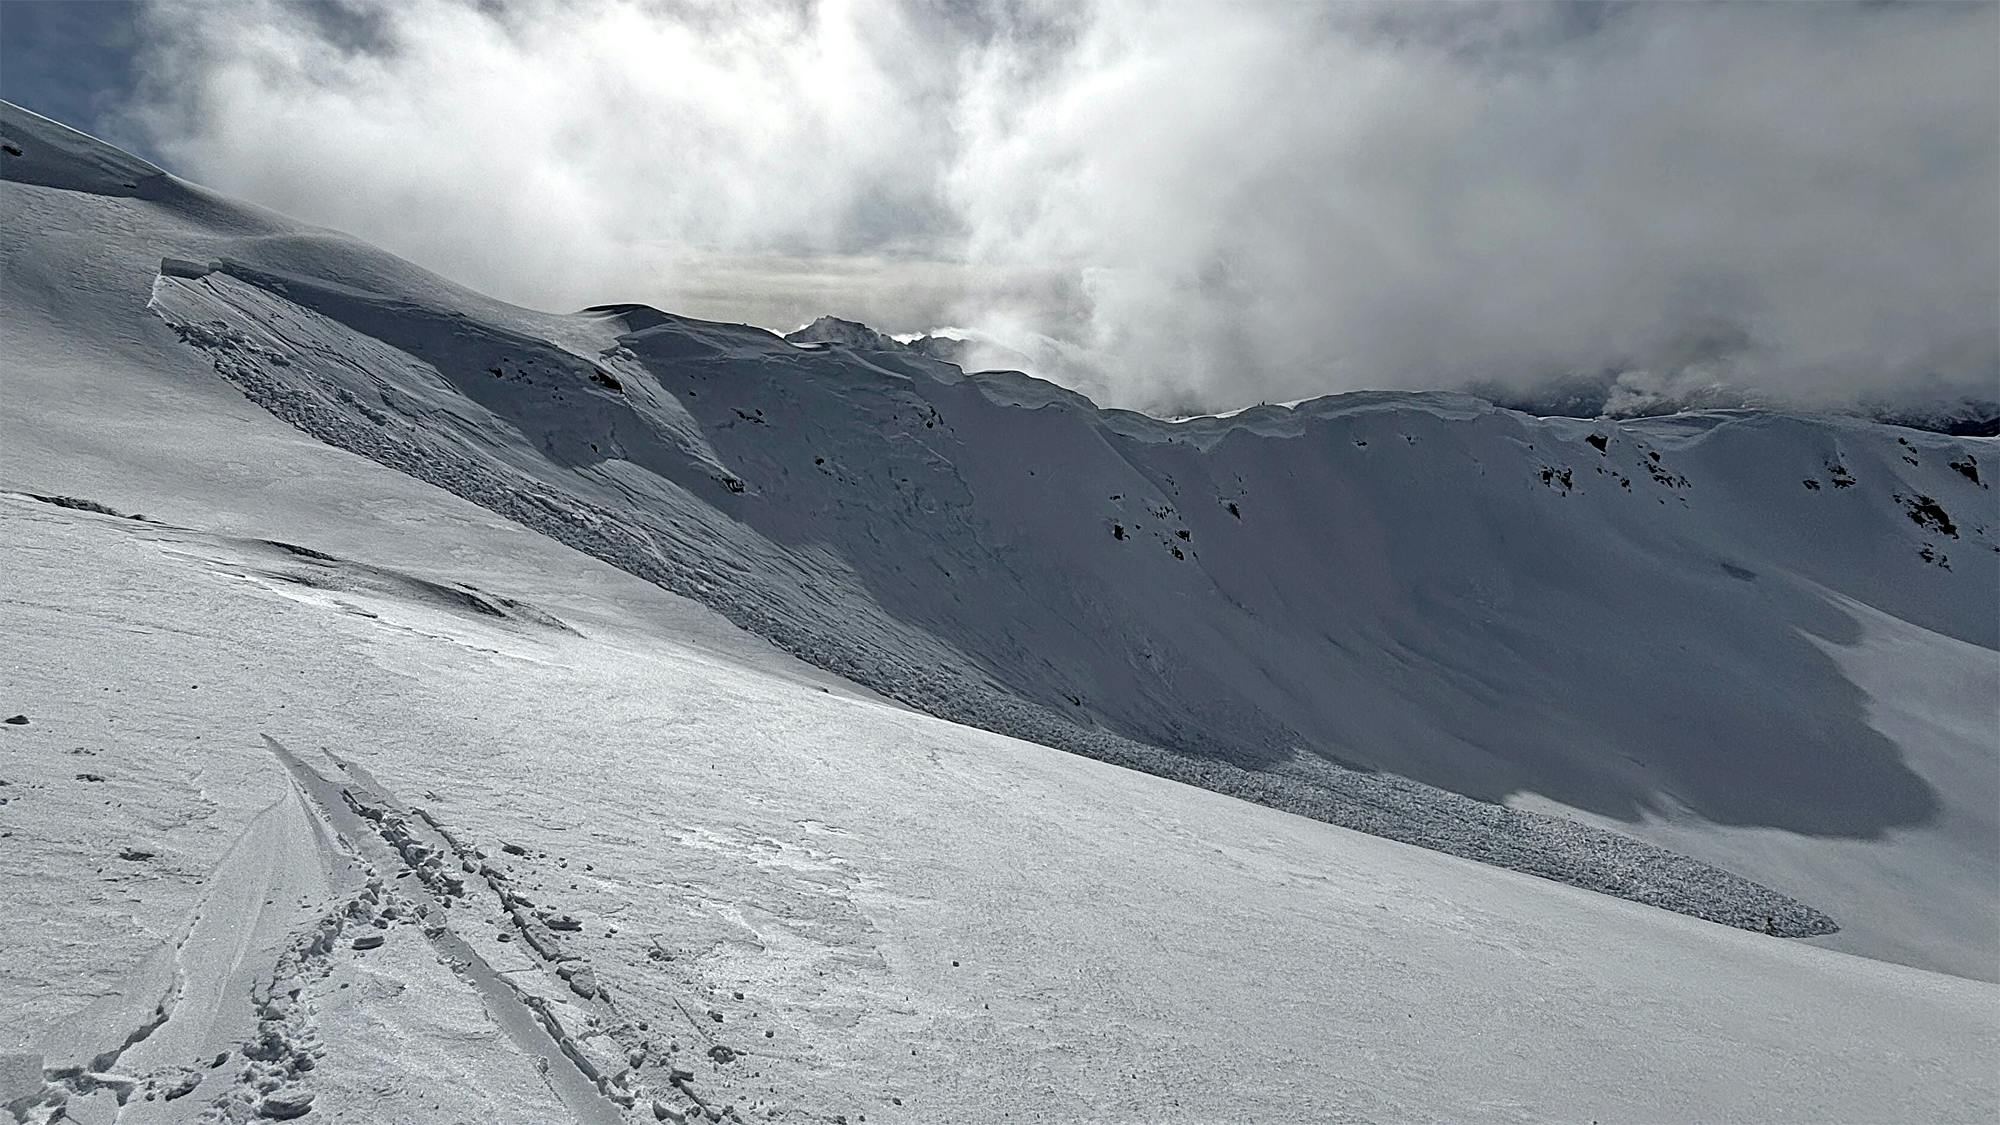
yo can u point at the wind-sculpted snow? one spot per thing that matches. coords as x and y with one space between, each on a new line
35 150
665 517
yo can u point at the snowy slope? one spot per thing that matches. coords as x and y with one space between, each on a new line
717 818
1649 634
893 917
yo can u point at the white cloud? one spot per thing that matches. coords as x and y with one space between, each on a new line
1166 204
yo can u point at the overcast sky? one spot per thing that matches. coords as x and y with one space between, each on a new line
1169 205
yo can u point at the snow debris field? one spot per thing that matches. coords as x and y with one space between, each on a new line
423 709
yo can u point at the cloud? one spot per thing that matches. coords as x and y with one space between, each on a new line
1168 205
555 155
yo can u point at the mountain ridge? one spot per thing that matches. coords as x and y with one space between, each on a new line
1418 584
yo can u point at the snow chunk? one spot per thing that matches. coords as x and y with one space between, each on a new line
181 267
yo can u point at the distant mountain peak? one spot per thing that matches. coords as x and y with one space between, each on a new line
846 333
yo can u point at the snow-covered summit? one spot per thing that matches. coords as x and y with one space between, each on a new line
969 355
846 333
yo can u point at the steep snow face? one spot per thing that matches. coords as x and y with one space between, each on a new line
1642 622
1381 580
674 540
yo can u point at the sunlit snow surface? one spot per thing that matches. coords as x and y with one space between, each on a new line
1789 691
718 822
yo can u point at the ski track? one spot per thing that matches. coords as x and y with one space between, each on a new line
221 988
614 1064
382 833
322 873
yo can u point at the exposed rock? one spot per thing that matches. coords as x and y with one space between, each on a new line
1925 512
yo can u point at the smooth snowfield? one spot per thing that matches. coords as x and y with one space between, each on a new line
730 838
